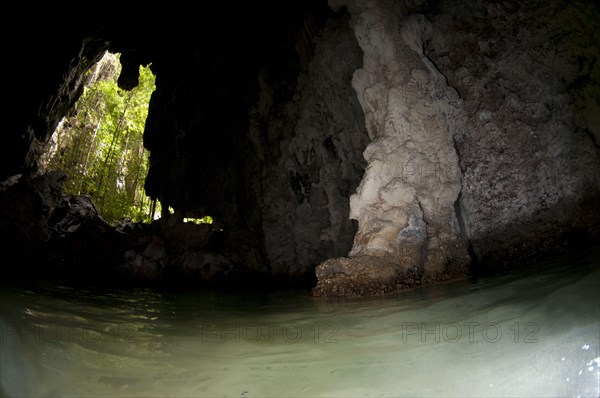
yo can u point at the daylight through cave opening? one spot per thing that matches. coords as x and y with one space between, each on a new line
100 144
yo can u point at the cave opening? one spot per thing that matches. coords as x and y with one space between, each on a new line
99 144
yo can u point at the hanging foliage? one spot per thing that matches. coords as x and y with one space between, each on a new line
101 147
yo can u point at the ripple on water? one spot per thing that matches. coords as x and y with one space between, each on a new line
529 334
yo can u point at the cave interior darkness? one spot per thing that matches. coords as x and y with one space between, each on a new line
256 121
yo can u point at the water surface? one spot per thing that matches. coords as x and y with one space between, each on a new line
533 333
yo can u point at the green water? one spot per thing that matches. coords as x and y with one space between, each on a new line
529 334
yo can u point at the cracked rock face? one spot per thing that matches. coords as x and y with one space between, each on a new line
310 157
528 74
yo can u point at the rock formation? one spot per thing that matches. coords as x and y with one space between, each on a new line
529 153
405 202
309 157
363 146
484 88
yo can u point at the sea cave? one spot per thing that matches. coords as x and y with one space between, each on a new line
315 198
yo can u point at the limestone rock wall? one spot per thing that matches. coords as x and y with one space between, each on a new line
264 132
309 152
484 133
529 77
45 82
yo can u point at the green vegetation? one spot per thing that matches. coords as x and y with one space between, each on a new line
203 220
100 147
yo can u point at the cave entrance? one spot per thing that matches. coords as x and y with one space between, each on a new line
100 144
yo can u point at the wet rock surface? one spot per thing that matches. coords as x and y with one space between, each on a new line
362 276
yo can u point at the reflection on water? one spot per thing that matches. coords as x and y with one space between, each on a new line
532 334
